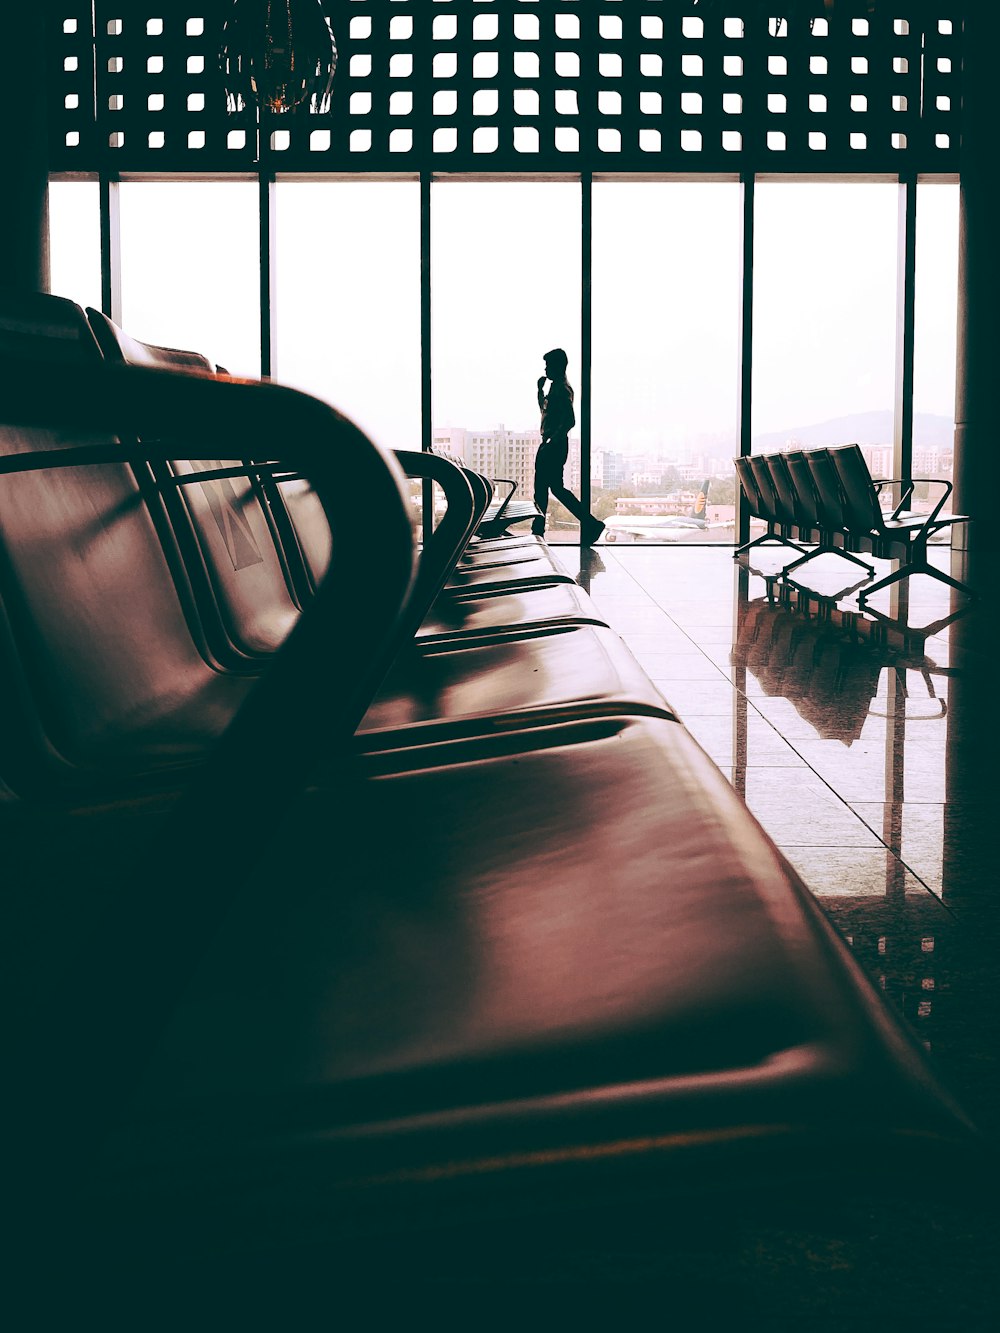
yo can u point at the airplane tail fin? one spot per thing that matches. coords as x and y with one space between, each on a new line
699 510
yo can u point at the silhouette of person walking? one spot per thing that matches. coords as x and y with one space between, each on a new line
558 419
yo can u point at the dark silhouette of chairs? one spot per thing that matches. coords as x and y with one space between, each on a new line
378 934
897 535
827 497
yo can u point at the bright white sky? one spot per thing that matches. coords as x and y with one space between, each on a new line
506 288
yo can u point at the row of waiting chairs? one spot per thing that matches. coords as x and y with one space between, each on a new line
827 499
367 886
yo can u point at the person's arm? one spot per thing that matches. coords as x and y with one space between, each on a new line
559 417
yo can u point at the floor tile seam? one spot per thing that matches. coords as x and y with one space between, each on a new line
836 794
679 627
843 800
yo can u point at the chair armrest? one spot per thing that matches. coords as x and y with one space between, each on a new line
448 540
305 707
503 481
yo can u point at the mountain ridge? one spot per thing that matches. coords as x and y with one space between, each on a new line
929 431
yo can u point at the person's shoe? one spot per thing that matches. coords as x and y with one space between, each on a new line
537 531
590 531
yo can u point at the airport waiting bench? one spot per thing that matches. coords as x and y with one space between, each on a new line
355 935
828 499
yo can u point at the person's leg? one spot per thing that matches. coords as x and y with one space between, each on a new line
590 527
543 477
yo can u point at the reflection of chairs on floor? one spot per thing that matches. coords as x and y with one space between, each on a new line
831 678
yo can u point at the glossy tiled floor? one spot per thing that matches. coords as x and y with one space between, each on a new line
866 745
863 748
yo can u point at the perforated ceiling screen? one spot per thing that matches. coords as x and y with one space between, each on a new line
524 86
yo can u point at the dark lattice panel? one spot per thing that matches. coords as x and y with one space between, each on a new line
519 85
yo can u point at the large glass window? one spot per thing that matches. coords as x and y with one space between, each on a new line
347 259
190 258
666 321
75 241
824 287
936 322
506 289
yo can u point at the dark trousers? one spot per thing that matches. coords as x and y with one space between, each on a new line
549 463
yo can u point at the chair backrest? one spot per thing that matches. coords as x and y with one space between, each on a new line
765 488
862 515
744 473
806 502
101 656
224 526
829 498
784 490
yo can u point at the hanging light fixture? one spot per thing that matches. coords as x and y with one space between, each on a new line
277 55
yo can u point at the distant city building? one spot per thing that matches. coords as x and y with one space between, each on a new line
607 469
503 453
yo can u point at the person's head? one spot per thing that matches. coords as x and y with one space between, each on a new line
556 362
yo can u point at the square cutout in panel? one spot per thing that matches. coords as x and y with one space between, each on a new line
691 141
526 27
485 102
486 139
485 28
649 141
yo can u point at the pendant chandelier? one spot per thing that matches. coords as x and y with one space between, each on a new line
277 55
